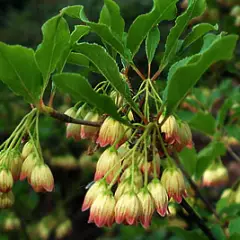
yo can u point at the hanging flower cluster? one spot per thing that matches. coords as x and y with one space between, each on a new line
128 186
28 163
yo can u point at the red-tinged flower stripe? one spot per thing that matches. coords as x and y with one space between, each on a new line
89 132
6 180
172 179
128 209
170 128
148 207
92 193
111 131
73 131
28 166
102 210
159 195
215 175
42 178
108 163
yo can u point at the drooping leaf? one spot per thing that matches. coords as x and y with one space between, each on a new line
218 232
234 226
19 71
197 32
56 37
184 74
187 235
80 89
188 158
107 67
102 30
195 8
78 59
223 111
78 32
116 22
162 10
204 122
207 155
152 42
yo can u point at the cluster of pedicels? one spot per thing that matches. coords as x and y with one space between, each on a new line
128 186
23 161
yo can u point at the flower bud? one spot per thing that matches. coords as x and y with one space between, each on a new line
42 178
185 137
124 187
215 175
159 195
108 163
137 178
173 181
90 132
27 166
235 12
111 131
15 164
92 193
11 223
6 199
117 98
237 195
64 229
170 128
128 209
73 131
71 112
102 210
27 149
6 180
237 21
148 208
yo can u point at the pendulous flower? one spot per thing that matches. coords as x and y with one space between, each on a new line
128 209
111 131
28 166
102 210
173 181
6 199
108 163
159 195
41 178
92 193
6 180
27 149
148 207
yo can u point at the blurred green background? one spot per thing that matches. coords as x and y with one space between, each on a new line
39 216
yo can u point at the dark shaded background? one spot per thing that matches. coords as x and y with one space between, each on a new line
20 23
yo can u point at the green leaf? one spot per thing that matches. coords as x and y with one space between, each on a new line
207 155
184 74
56 37
235 236
218 232
78 32
116 22
72 11
80 89
162 10
234 226
187 235
188 158
78 59
152 42
195 8
233 131
108 68
203 122
19 71
223 111
197 32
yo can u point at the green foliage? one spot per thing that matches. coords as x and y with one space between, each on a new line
19 71
234 226
142 25
56 37
79 88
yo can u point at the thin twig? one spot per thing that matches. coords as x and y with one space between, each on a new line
157 74
200 222
234 155
138 72
195 188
